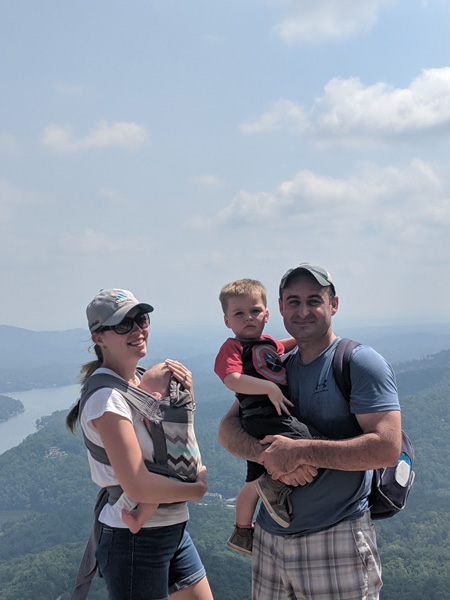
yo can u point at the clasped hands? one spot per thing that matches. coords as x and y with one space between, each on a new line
281 462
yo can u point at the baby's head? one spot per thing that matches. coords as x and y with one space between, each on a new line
244 306
156 380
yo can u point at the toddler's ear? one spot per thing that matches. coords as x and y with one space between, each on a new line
267 316
225 320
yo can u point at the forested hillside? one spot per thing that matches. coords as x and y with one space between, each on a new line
9 407
47 477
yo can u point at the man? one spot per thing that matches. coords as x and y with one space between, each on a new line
329 550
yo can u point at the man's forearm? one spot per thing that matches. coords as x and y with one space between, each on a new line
234 439
379 446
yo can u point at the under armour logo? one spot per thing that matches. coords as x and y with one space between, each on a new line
320 386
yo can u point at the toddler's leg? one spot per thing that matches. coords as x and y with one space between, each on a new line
246 504
241 539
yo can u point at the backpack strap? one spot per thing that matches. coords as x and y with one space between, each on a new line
341 365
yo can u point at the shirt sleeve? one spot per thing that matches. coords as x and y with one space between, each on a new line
101 401
280 347
229 359
374 387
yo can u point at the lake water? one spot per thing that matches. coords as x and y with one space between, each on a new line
38 403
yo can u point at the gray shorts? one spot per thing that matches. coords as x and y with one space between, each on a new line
340 563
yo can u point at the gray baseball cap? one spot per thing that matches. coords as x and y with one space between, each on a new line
109 307
320 274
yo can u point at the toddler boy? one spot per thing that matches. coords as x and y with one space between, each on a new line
250 365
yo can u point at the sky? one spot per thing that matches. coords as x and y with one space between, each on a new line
169 147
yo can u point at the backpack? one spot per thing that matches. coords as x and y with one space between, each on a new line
390 485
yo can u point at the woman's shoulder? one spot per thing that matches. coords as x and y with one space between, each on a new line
106 399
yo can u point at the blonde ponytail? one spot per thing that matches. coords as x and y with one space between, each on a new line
86 371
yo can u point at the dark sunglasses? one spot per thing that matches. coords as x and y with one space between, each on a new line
142 320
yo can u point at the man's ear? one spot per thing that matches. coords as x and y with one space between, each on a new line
334 305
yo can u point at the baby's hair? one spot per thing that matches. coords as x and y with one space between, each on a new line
159 376
242 287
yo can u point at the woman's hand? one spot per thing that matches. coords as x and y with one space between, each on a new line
181 373
201 484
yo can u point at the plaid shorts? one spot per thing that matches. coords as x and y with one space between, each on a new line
340 563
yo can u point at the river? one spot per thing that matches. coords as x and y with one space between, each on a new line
38 403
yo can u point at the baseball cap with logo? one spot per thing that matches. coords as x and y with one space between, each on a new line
320 274
109 307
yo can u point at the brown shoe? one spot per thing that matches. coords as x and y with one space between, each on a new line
275 497
241 540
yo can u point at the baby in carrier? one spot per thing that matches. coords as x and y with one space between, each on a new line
155 381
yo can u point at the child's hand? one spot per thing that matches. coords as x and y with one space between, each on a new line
280 402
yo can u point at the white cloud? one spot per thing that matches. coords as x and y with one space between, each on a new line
282 114
112 195
349 106
111 250
320 20
208 181
351 112
120 134
68 89
394 201
88 242
383 227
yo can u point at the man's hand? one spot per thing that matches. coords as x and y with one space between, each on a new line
301 476
279 457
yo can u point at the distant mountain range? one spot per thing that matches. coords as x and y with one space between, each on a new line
33 359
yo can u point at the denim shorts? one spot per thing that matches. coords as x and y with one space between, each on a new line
148 565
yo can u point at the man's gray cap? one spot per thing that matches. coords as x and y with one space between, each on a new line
109 307
320 274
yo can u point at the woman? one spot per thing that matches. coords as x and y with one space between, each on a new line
160 560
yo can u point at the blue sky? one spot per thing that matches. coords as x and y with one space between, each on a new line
169 147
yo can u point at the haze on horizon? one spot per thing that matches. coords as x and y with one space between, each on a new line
169 148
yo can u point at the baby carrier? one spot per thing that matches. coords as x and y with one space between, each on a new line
171 425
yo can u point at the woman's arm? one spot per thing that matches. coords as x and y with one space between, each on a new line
125 455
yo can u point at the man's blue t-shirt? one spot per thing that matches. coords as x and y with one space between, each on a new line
334 496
